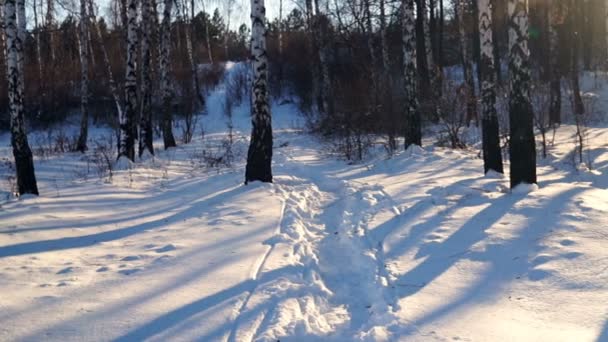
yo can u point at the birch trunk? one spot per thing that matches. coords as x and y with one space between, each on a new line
193 67
467 68
106 60
259 156
146 134
556 21
522 148
492 156
83 49
165 52
413 124
26 178
127 120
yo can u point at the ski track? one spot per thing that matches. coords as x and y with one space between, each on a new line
324 228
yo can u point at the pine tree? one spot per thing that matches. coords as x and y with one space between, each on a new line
413 124
165 52
83 48
492 156
146 135
259 157
127 120
522 148
26 178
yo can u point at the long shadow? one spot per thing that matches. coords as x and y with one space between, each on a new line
87 240
441 256
179 315
503 269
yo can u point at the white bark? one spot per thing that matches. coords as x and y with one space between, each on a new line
259 156
26 179
127 127
413 134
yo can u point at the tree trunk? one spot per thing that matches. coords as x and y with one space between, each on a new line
259 156
467 68
106 61
83 49
556 20
421 53
322 24
522 148
413 124
146 134
128 129
575 25
26 178
492 156
193 67
167 93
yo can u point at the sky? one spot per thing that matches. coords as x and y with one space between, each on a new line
240 13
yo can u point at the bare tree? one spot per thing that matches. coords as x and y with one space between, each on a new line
492 157
522 148
83 48
167 93
259 157
146 135
128 129
26 178
413 134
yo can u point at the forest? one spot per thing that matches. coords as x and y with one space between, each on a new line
303 170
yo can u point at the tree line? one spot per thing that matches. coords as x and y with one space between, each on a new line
374 67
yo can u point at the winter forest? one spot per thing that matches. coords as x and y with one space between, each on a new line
304 170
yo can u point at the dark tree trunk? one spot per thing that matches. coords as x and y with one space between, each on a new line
492 156
555 73
575 24
146 134
522 148
83 45
164 55
259 156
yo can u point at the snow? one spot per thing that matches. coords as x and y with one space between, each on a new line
419 247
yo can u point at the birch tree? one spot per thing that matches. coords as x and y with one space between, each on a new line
413 122
127 120
522 148
556 21
259 156
83 49
106 60
24 163
465 58
167 93
492 156
146 135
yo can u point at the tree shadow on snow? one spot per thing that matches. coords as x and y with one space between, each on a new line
508 261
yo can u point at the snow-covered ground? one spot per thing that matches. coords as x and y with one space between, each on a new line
419 247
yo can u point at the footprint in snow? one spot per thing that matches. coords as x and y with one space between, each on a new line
166 248
567 242
103 269
129 271
131 258
66 270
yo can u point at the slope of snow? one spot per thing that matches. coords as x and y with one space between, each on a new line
419 247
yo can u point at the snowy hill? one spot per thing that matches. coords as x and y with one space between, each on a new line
419 247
